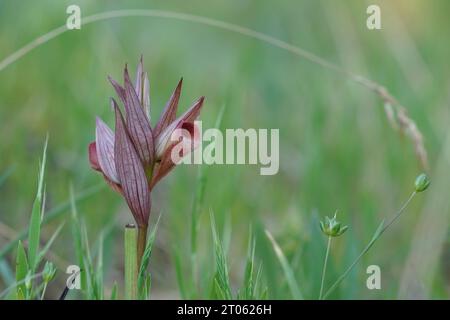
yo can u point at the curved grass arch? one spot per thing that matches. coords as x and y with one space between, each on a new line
397 113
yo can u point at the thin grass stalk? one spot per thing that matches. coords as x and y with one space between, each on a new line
43 291
406 124
52 215
325 267
377 235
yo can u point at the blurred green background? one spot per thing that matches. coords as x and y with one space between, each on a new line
337 149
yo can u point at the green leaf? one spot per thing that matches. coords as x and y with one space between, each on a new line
258 282
49 243
77 240
20 293
220 293
288 272
34 230
52 215
179 273
265 294
21 270
376 235
86 264
99 270
248 287
147 254
114 291
146 287
222 277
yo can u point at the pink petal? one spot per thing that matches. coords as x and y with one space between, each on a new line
119 89
138 124
163 139
104 140
170 110
93 159
193 112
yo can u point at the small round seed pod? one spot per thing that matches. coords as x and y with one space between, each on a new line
422 182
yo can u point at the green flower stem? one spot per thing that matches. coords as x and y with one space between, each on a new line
399 212
369 245
131 269
325 267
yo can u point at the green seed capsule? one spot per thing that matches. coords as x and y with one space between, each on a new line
422 182
332 227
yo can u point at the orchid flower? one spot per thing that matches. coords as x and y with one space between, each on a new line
136 156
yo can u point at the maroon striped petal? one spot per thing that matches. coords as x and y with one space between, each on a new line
170 111
138 124
104 141
119 89
131 172
193 112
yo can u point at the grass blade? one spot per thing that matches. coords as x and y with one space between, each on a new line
99 269
179 273
52 215
114 292
222 278
86 263
34 230
248 291
77 240
49 243
288 272
147 254
21 270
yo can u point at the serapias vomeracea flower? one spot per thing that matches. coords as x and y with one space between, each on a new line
136 156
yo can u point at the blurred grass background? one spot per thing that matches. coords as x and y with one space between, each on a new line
337 148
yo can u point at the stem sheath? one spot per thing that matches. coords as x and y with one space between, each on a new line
131 269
